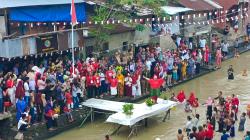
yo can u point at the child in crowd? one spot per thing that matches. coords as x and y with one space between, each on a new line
180 136
242 122
247 136
107 137
69 99
189 125
188 107
22 123
192 137
224 136
232 129
28 116
244 72
68 114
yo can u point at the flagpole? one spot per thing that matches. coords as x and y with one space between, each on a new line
72 46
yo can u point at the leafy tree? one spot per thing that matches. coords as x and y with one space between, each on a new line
122 10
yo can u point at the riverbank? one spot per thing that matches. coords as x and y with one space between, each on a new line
39 131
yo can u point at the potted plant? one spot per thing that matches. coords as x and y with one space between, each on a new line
128 109
149 102
165 99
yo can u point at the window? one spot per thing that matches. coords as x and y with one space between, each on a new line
125 46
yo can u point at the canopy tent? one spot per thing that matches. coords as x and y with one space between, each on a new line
23 3
174 10
140 112
47 13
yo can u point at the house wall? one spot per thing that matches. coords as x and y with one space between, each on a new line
142 37
195 29
115 42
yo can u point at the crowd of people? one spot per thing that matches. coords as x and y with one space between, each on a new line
222 116
50 87
45 89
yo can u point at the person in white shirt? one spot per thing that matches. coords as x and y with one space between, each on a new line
203 43
178 41
224 48
148 64
190 46
189 125
196 120
22 124
27 90
158 49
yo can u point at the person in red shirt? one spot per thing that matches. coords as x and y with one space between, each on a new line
134 84
109 74
97 82
90 85
155 85
79 65
69 99
95 65
201 134
9 82
209 132
181 96
113 85
84 71
235 105
193 101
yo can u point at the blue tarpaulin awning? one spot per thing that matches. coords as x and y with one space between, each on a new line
50 13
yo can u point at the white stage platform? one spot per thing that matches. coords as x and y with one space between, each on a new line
140 112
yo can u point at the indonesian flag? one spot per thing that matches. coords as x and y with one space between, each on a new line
73 13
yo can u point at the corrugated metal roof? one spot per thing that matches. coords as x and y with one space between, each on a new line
174 10
214 4
227 4
22 3
197 5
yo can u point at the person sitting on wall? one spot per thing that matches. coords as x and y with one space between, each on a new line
22 123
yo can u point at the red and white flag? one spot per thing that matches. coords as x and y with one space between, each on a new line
73 13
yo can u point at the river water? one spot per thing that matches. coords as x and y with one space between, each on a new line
204 87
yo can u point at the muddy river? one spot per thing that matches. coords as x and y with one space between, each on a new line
204 87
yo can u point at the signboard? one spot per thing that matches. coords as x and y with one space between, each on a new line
47 43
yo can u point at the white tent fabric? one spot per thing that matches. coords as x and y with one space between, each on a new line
174 10
140 112
21 3
104 105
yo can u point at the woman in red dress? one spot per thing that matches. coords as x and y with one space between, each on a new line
181 96
19 90
193 101
206 55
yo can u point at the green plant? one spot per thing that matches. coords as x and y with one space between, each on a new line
165 97
128 109
149 102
